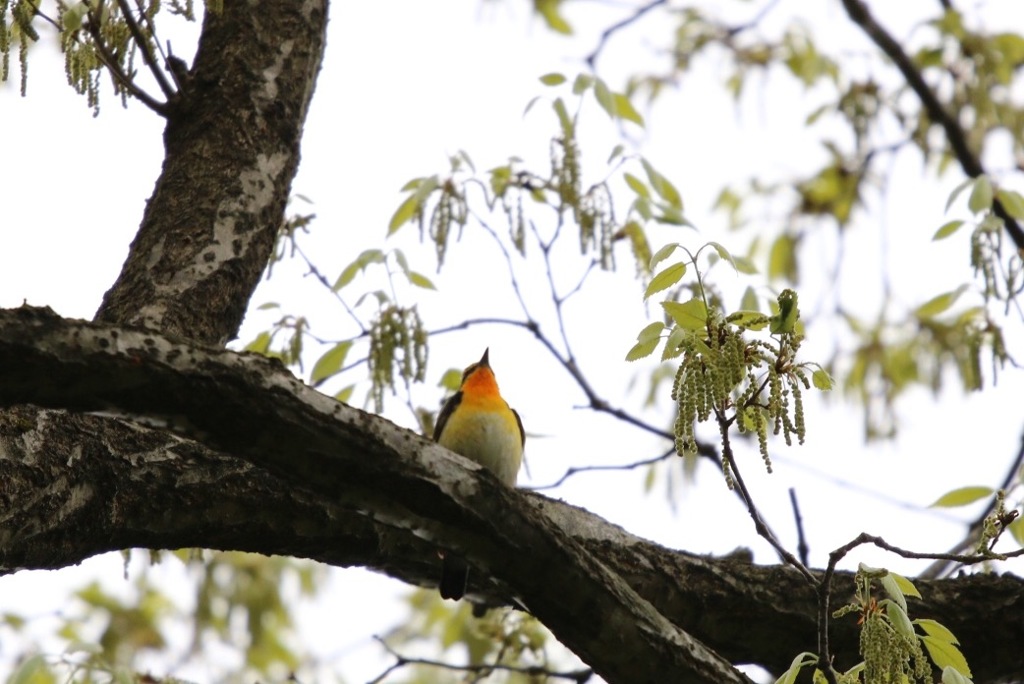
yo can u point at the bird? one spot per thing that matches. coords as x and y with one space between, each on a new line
477 423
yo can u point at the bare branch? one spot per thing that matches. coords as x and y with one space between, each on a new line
147 54
618 26
801 546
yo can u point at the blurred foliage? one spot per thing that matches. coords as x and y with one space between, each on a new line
242 604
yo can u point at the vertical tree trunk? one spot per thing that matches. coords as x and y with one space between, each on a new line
232 150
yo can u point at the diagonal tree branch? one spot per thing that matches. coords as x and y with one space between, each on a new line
79 484
248 406
955 134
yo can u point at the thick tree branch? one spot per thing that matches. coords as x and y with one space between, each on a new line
249 406
100 482
969 161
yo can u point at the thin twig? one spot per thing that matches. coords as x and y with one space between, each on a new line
110 61
147 53
315 272
533 671
969 162
618 26
760 526
801 546
626 466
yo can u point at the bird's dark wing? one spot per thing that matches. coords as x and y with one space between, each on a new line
446 413
519 421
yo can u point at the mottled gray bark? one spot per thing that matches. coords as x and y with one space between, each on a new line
232 149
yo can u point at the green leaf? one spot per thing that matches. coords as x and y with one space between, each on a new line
420 280
905 585
822 380
936 305
330 363
643 207
789 314
1016 529
724 254
637 185
951 676
749 301
27 671
624 109
663 254
408 208
892 589
782 261
1013 202
674 342
662 186
345 394
945 654
555 21
666 279
552 79
604 97
412 185
367 257
981 195
744 265
616 152
451 380
947 229
582 82
899 620
260 345
956 192
691 315
641 350
651 332
936 629
962 497
801 661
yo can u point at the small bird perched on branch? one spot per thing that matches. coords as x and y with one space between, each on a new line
478 424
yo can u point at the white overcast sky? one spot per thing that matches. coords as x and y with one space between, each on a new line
404 84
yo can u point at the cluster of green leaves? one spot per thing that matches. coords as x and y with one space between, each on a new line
500 637
975 70
998 266
440 205
894 647
893 356
972 72
724 372
92 36
239 603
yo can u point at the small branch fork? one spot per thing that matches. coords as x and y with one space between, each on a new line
92 25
